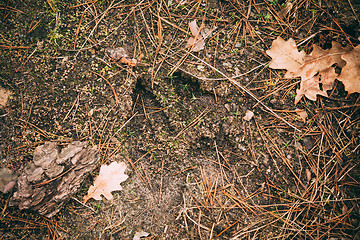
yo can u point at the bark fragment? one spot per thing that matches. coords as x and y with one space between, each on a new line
54 176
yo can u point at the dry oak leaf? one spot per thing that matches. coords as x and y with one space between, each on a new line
318 69
314 69
285 55
109 180
350 74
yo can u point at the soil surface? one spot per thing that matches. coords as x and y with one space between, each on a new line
197 169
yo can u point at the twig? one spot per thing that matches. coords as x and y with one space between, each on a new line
13 47
85 205
112 88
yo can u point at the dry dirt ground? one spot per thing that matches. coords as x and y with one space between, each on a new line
197 169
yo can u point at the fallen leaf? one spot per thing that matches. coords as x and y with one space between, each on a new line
131 62
316 69
140 234
327 78
302 114
285 55
4 96
197 42
122 55
193 28
350 74
309 88
117 53
109 180
248 115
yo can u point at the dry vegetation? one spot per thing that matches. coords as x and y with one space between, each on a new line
198 170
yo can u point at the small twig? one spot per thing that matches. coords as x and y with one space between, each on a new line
48 1
161 181
198 224
85 205
75 102
184 170
228 227
13 47
53 179
112 88
42 132
12 9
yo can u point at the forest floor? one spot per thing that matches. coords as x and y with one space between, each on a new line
197 169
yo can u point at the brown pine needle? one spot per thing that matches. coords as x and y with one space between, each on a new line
112 88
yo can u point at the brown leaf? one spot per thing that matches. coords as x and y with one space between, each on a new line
317 69
193 28
327 78
285 55
109 180
314 69
309 88
302 114
121 54
350 74
197 42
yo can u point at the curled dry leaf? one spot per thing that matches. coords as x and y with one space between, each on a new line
197 41
317 70
350 74
109 180
302 114
248 115
122 55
